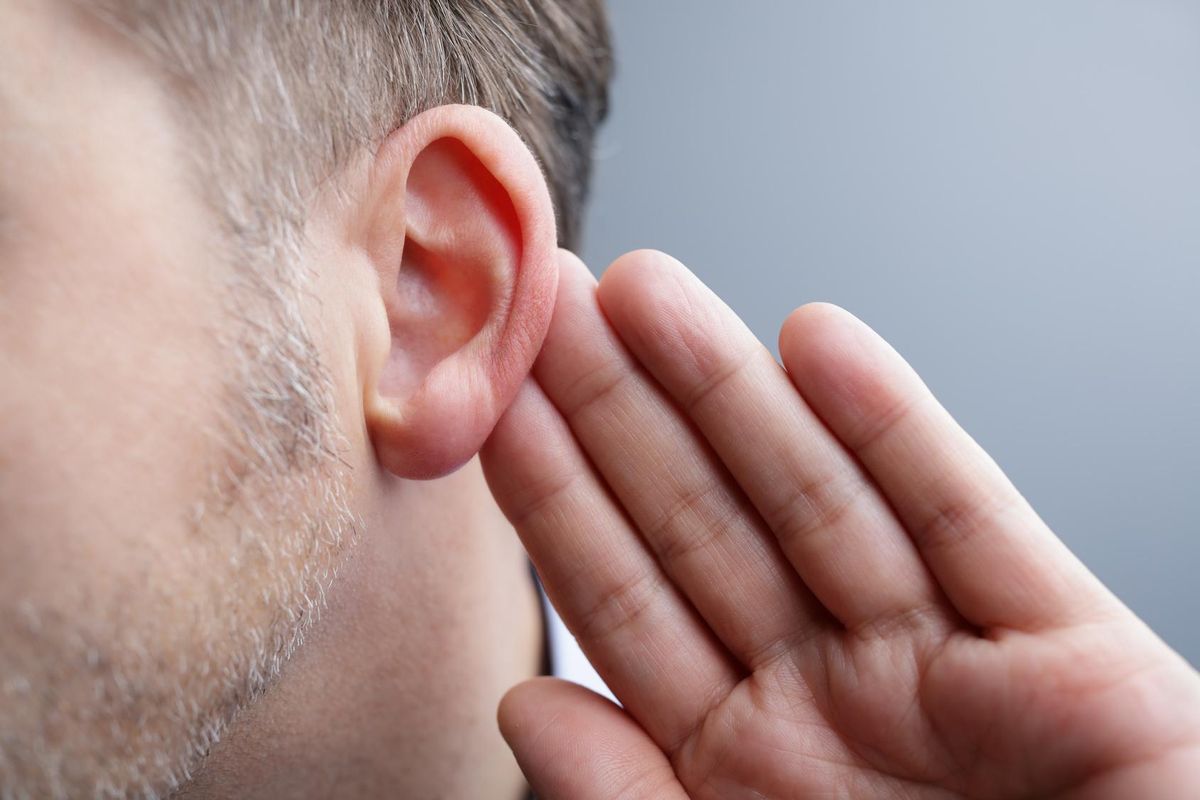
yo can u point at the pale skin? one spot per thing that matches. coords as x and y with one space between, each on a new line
804 580
903 625
118 376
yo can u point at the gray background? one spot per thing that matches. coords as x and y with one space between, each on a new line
1008 191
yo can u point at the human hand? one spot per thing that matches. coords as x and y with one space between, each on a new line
804 583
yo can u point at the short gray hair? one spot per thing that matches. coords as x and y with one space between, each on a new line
284 92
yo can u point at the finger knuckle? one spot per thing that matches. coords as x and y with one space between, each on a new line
954 521
695 521
816 505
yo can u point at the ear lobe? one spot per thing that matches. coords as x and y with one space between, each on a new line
467 287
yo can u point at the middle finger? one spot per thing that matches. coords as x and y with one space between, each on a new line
687 507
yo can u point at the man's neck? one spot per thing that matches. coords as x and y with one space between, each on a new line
432 618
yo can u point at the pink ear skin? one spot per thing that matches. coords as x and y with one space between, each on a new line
460 229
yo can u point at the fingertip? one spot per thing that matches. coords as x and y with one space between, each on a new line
536 706
571 742
633 275
573 269
639 261
816 342
812 324
666 316
576 296
529 707
514 713
847 372
814 312
819 337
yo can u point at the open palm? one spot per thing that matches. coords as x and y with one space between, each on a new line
803 582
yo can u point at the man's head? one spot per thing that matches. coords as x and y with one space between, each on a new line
249 252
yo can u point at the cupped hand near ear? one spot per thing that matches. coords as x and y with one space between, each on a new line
804 581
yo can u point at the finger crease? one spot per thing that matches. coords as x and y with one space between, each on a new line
819 504
542 498
715 380
954 522
882 424
598 384
709 513
621 606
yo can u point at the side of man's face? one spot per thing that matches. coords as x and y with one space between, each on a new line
159 549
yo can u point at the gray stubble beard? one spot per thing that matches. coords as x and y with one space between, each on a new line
135 715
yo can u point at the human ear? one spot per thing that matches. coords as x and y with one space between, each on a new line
460 230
